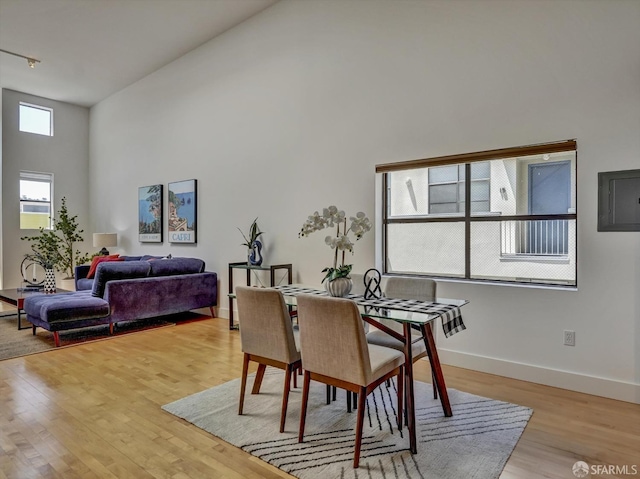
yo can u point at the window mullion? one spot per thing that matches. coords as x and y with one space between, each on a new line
467 221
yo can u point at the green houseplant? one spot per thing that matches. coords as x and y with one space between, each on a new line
54 249
254 247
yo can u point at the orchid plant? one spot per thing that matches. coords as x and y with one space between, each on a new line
332 217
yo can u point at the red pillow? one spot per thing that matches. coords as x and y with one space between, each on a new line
101 259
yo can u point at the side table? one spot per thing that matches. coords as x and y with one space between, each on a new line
249 267
16 298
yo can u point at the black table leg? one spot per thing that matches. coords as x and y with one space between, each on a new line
20 327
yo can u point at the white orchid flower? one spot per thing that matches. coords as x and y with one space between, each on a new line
360 225
343 243
333 217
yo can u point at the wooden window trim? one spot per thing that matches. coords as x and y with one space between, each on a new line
512 152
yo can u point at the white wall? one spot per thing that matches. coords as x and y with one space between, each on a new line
290 112
65 154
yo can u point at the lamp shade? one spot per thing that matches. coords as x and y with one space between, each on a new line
104 240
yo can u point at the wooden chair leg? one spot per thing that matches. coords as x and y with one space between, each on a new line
303 409
433 384
360 422
400 381
243 381
258 381
406 416
285 396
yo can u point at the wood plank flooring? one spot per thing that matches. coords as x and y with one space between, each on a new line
93 411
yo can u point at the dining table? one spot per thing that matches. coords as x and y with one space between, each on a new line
415 316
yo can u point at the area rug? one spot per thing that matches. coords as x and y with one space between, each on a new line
15 343
475 443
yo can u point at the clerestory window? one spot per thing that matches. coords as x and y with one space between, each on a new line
36 119
36 197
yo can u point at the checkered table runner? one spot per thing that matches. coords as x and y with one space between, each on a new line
451 315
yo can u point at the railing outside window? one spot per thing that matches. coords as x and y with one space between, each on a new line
534 237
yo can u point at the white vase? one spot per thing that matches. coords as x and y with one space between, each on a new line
49 280
339 287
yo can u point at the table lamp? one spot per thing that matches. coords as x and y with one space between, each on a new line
104 240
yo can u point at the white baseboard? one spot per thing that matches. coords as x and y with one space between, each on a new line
609 388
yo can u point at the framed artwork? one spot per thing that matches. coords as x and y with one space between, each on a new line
150 214
182 211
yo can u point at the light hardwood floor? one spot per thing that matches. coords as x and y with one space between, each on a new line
93 411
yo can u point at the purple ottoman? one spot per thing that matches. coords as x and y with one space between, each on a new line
59 312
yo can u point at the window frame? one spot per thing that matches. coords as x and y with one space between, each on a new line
42 177
468 217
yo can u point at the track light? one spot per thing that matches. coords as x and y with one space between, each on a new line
30 61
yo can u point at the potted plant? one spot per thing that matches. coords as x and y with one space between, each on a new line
254 246
54 249
338 282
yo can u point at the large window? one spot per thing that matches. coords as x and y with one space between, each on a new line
36 196
36 119
519 224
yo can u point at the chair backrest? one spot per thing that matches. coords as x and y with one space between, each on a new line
265 324
422 289
332 339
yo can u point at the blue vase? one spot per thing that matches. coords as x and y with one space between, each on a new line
255 258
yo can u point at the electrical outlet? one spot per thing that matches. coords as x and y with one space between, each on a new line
569 338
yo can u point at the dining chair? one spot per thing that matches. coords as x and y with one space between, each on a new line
398 287
267 338
335 351
358 288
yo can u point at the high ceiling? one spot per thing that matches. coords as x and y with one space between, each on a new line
90 49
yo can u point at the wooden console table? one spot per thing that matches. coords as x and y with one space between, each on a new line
249 268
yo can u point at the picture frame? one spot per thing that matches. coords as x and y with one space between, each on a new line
150 214
182 213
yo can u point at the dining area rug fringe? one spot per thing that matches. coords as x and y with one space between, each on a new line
475 442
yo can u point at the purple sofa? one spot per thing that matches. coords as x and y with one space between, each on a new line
124 291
